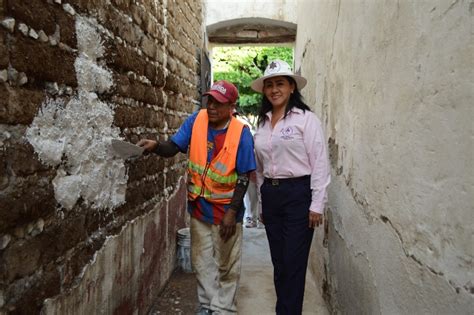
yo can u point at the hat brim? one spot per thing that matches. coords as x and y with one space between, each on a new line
257 85
218 96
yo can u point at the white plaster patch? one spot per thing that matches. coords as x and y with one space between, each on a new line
9 24
42 36
23 29
89 41
69 9
33 34
90 76
3 75
74 135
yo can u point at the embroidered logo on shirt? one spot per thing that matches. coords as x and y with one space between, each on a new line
287 133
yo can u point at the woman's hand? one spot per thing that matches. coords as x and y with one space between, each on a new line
315 219
149 145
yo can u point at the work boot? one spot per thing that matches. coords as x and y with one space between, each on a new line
203 311
250 223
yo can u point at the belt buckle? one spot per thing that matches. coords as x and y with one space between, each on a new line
275 182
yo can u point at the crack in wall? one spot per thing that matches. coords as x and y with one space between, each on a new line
386 220
450 8
371 219
335 29
306 48
456 287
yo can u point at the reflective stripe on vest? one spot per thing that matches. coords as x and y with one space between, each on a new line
206 194
232 178
214 181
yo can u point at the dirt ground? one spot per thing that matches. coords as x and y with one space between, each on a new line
178 297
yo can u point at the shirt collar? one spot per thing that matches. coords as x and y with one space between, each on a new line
294 110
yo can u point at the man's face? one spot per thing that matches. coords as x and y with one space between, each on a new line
218 113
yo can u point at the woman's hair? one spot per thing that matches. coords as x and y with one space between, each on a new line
296 100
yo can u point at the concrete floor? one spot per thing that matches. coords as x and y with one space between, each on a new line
256 292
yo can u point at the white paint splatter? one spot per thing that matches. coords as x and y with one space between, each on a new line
75 135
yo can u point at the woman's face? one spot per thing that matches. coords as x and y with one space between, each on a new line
278 91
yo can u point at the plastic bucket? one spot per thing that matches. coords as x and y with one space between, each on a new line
184 250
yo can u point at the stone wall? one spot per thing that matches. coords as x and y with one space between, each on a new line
81 230
392 83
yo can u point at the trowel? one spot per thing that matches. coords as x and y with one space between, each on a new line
126 150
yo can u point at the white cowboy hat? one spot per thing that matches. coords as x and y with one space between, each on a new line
274 69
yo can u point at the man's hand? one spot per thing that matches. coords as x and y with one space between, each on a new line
149 145
315 219
227 228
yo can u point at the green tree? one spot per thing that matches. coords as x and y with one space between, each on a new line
242 65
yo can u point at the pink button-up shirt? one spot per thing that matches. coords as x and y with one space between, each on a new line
295 147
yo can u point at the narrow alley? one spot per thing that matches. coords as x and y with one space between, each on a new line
256 292
88 229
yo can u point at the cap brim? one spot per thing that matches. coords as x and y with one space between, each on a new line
257 85
218 96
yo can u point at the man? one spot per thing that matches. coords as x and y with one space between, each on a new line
221 156
251 204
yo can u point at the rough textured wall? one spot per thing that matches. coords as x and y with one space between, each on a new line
81 230
392 82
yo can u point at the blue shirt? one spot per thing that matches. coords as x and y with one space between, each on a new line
201 208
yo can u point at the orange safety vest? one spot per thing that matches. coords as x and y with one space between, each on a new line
214 181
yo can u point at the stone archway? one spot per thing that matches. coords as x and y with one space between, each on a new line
251 31
250 21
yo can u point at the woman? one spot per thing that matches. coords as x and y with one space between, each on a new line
292 173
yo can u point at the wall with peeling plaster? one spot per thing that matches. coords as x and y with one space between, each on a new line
392 83
81 230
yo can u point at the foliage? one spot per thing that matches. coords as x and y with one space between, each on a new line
242 65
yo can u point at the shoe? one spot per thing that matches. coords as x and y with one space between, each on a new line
251 223
204 311
260 225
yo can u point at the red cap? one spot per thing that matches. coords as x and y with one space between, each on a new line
223 92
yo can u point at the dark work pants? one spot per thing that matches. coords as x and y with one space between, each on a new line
285 206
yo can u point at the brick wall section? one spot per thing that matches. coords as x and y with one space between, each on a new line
151 48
